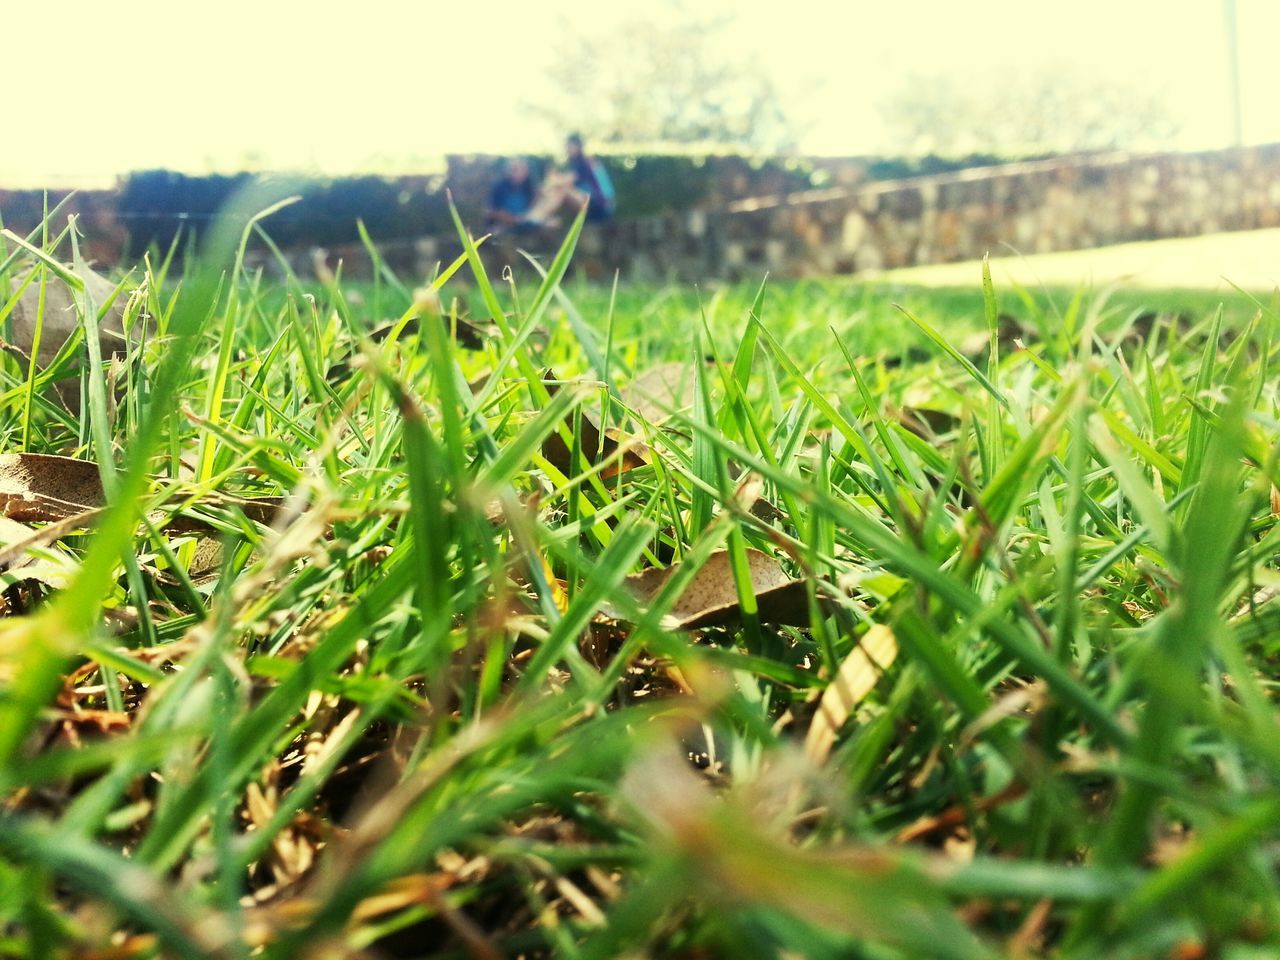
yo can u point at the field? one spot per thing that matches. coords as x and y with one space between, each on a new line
782 620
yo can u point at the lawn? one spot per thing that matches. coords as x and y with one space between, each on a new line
781 620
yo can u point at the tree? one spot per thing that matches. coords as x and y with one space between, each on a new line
1036 111
648 83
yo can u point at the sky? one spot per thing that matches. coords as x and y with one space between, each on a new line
96 88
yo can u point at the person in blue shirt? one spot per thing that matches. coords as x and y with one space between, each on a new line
512 199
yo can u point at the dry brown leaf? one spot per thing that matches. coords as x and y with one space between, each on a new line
469 336
263 510
263 924
595 448
66 494
711 598
130 948
16 548
658 391
41 487
17 580
925 423
958 814
61 317
1010 335
52 575
44 487
750 494
857 676
12 532
1249 606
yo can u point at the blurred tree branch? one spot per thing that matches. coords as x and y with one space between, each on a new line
1039 110
648 83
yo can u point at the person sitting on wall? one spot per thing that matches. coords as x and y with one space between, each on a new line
584 180
591 180
512 199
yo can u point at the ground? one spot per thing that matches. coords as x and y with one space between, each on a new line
1218 261
821 619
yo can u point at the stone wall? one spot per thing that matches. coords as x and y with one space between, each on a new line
1032 207
149 207
105 236
655 183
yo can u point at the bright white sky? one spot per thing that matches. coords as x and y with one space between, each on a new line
105 86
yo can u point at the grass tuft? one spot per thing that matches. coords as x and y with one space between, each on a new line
945 649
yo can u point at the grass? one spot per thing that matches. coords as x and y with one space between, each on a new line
355 661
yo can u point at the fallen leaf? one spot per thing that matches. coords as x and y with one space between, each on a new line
595 448
53 575
44 487
711 598
753 497
263 924
263 510
925 423
66 494
468 335
12 532
1010 335
658 391
60 317
958 813
857 677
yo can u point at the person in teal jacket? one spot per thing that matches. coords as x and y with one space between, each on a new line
592 179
